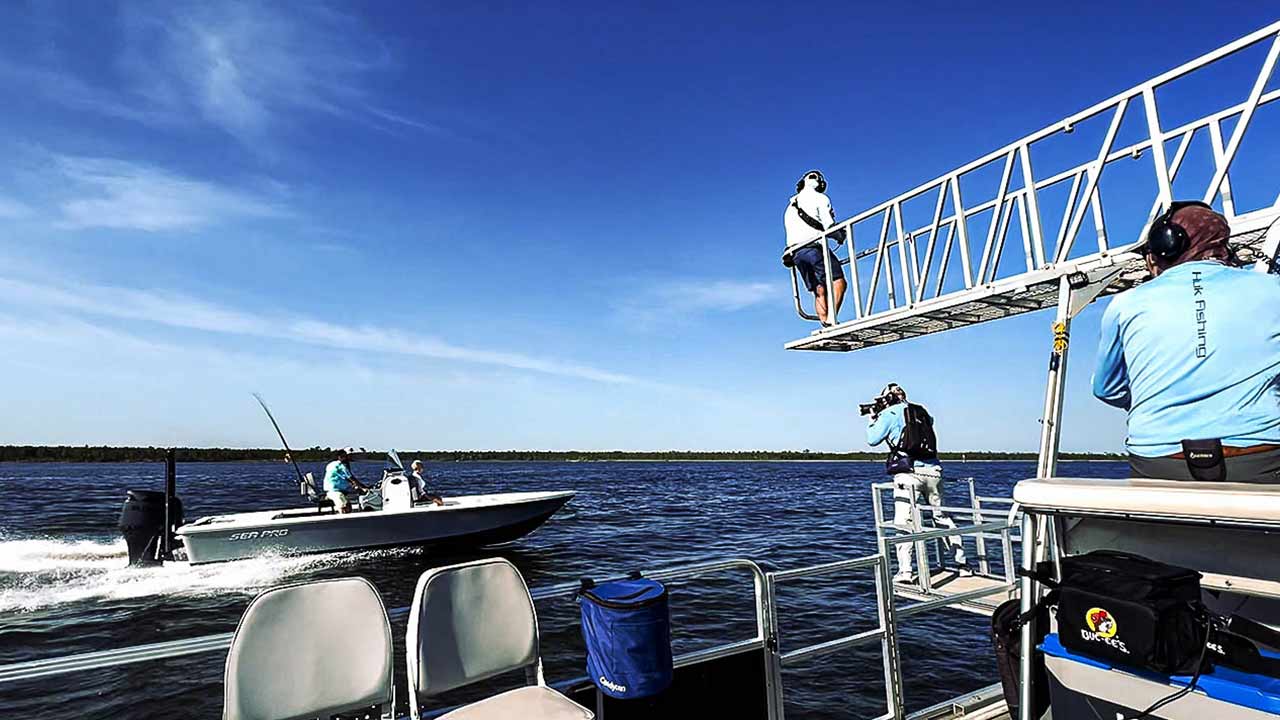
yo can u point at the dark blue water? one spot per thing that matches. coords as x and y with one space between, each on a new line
64 588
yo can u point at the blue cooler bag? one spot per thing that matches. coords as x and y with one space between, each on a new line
627 628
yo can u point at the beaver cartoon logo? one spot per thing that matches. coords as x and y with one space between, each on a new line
1101 622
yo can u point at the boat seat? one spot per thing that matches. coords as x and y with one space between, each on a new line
313 493
473 621
310 650
534 702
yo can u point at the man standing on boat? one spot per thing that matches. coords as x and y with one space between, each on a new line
338 480
808 213
913 464
1193 355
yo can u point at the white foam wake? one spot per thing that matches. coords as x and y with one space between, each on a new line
43 573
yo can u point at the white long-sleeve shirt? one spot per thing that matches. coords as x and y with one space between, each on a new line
817 205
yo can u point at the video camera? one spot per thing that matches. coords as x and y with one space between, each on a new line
874 407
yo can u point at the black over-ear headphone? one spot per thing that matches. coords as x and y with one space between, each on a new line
822 181
1167 239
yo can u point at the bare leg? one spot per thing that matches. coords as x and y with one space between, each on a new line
839 287
820 302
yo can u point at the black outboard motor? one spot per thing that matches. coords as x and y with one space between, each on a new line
142 523
149 518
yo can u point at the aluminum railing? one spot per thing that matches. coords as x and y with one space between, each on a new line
979 511
766 637
1021 193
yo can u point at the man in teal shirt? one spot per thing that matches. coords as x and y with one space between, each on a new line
1194 355
338 481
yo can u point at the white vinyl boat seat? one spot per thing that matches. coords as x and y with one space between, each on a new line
534 702
310 650
314 494
473 621
1250 504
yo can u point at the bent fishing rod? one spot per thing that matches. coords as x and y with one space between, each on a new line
284 442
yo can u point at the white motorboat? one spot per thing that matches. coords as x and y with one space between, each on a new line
386 517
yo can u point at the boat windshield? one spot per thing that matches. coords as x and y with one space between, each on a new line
395 459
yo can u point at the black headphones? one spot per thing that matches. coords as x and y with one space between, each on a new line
822 181
1167 239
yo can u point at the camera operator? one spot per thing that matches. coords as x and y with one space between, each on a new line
913 464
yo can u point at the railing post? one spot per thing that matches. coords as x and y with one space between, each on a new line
885 607
773 652
922 550
984 568
1027 594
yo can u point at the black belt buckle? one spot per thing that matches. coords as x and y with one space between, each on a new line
1205 460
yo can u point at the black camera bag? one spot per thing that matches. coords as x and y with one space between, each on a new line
1129 610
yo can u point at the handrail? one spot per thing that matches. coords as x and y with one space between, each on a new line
46 667
1046 251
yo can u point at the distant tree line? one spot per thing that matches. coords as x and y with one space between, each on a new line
103 453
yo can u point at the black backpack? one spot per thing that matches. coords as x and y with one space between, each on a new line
918 439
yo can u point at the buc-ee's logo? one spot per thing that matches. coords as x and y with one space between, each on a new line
1101 622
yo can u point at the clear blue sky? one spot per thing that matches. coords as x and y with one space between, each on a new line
475 225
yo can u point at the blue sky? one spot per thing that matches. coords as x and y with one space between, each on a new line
484 225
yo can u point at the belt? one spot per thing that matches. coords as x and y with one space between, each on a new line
1228 451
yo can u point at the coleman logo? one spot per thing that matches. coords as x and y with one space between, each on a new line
1102 628
1101 622
613 686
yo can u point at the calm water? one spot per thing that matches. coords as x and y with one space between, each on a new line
64 587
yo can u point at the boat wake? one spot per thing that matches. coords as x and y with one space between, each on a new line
37 574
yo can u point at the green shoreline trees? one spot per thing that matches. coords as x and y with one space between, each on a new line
102 453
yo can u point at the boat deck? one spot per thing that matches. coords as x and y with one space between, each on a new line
948 583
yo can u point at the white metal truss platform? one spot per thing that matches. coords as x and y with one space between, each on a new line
946 273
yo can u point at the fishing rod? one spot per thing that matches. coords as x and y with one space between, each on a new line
284 442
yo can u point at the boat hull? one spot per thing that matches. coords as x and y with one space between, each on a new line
469 521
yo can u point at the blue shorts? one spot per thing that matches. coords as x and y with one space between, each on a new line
809 262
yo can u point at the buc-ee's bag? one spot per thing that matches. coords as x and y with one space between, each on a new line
627 628
1128 610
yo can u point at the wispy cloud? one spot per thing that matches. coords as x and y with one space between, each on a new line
182 311
678 300
108 193
244 68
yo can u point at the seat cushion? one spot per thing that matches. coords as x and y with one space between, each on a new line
526 703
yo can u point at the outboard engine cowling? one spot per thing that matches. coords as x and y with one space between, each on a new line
142 523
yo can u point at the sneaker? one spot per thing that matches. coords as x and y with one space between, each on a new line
903 577
963 570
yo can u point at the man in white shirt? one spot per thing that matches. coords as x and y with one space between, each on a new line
421 492
808 213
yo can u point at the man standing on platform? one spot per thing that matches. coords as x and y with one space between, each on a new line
913 464
808 213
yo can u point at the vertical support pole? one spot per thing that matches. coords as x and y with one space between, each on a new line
962 232
922 548
1027 596
170 492
1052 418
1032 205
889 643
1157 147
767 626
984 567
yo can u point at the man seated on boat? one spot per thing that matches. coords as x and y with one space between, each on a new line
913 464
1193 355
339 482
808 213
422 493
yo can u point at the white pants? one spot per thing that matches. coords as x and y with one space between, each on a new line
340 501
925 483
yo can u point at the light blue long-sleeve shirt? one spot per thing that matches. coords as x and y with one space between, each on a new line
888 425
1194 354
